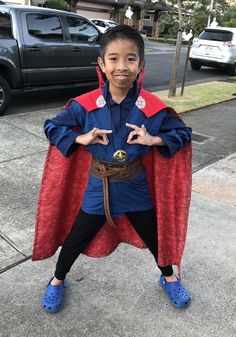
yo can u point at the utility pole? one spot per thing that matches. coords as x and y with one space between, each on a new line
209 17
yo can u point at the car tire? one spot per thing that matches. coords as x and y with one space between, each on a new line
195 65
5 95
232 69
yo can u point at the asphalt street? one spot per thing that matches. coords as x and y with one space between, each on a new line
159 59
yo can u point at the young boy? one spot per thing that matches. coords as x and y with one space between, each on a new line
133 182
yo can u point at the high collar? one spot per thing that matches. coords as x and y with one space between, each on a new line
132 93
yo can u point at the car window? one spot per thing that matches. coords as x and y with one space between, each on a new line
81 30
5 26
44 27
112 24
216 35
100 23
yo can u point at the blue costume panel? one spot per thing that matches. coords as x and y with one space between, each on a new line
123 196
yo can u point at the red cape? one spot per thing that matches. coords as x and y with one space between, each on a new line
65 179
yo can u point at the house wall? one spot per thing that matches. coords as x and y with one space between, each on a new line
17 2
94 11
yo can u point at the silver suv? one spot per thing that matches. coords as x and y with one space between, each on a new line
214 47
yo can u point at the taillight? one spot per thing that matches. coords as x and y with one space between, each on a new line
228 44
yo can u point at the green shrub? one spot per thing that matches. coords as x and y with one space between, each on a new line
57 4
230 23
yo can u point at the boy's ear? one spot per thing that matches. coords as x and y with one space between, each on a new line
141 65
101 64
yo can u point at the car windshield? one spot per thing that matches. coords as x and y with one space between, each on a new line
112 24
216 35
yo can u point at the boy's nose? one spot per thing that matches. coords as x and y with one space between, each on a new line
122 65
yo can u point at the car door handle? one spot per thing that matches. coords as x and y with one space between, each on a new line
77 49
34 48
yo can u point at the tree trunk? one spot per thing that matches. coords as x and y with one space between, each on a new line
140 25
174 73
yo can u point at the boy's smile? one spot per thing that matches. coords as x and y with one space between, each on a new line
121 65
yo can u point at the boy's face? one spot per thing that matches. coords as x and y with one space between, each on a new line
121 63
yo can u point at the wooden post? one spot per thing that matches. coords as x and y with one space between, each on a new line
174 73
186 66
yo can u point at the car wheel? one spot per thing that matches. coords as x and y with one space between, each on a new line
195 65
232 69
5 95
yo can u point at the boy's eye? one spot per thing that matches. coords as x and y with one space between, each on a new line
131 59
112 58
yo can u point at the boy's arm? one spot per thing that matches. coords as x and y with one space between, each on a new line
174 134
60 130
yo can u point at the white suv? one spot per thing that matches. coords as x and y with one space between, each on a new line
103 24
214 47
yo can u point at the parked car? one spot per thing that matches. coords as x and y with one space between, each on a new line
214 47
103 24
43 49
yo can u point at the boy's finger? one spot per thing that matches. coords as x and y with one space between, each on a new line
103 140
103 137
101 131
132 126
131 135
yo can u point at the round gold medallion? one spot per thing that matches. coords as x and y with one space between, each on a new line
120 155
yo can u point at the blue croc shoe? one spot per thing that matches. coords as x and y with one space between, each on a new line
53 297
178 295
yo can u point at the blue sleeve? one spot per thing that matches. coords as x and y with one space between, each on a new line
60 129
174 133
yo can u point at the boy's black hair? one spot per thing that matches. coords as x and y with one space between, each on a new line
122 32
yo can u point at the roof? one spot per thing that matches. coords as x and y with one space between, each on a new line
231 29
138 3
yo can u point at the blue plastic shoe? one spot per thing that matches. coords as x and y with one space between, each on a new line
178 295
53 297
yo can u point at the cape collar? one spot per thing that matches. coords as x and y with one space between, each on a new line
148 103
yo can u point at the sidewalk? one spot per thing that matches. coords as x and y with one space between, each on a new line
117 296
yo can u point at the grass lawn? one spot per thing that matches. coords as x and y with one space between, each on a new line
200 95
232 78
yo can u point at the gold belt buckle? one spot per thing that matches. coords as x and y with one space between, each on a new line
120 155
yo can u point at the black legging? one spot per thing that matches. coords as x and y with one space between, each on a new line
86 227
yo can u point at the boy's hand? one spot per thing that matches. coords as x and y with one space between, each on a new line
95 136
141 136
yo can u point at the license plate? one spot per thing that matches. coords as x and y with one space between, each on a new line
208 49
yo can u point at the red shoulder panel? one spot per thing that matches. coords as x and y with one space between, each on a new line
149 104
90 101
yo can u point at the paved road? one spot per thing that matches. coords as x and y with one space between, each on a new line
159 59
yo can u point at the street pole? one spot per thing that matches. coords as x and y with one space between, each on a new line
209 17
175 66
186 66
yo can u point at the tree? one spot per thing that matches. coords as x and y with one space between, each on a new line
229 17
57 4
219 8
72 4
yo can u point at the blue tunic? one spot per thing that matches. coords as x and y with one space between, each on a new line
123 196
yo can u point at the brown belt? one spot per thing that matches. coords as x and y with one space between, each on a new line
119 172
